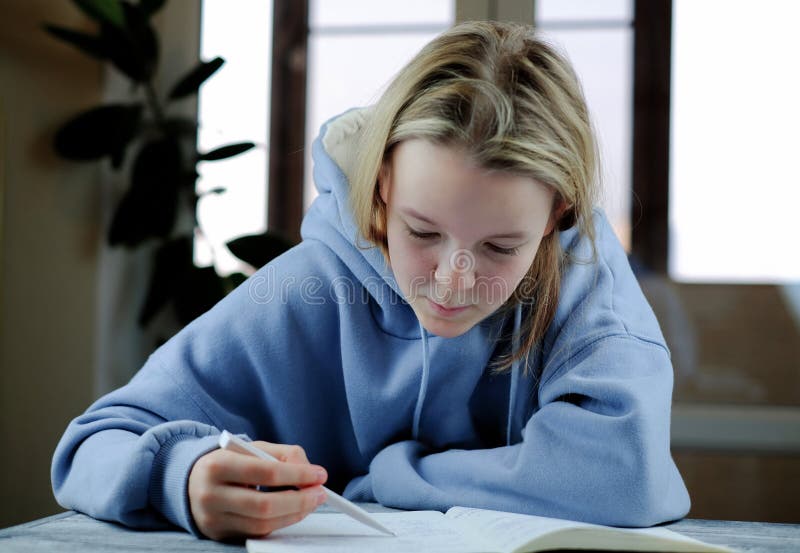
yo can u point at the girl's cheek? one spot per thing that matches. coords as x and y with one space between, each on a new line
403 252
422 263
418 256
507 281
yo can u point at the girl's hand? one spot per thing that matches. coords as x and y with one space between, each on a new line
225 504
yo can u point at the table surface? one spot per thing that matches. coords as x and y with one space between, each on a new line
72 532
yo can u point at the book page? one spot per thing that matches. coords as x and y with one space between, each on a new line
420 531
506 531
510 532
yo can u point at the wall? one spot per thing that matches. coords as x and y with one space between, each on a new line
50 239
50 232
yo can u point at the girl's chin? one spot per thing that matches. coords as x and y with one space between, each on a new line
445 328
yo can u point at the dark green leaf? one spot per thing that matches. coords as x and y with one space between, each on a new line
124 54
103 11
180 126
149 7
226 151
88 44
102 131
132 49
191 82
142 32
172 261
176 280
149 207
234 280
197 292
189 180
259 249
117 159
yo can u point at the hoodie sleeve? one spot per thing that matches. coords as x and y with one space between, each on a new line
238 367
596 450
123 461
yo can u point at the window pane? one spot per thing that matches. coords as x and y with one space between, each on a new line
325 13
734 186
548 11
603 60
346 70
234 107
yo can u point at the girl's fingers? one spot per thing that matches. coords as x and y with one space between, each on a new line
223 505
247 470
282 452
263 505
229 525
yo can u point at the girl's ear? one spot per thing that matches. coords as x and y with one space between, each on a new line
559 208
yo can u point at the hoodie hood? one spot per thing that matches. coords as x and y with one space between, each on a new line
330 220
334 155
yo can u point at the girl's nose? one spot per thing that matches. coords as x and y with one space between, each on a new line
456 270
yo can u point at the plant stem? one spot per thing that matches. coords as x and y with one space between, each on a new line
158 115
155 107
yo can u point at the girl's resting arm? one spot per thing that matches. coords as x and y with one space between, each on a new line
597 450
124 461
128 457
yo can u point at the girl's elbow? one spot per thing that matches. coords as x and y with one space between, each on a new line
654 494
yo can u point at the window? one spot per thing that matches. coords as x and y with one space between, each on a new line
597 37
734 142
355 48
729 311
730 307
234 107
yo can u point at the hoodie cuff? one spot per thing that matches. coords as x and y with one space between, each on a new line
169 484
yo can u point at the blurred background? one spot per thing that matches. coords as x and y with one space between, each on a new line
695 105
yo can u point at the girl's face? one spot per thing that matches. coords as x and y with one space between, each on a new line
460 237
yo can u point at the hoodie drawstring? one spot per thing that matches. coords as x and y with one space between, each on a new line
512 394
423 387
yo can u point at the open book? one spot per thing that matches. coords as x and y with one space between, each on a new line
463 530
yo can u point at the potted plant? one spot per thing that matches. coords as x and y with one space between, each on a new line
162 160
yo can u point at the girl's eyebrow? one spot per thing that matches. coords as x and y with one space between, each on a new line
417 215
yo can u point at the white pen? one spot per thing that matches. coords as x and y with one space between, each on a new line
234 443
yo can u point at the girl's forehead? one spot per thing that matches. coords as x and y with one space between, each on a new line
444 183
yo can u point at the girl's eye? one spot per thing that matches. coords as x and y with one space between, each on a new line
504 251
421 235
417 235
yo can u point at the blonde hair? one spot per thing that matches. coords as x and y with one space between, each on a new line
513 104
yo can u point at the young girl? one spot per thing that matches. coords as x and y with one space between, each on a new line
459 326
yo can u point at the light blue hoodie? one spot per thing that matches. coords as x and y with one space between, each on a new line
319 349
